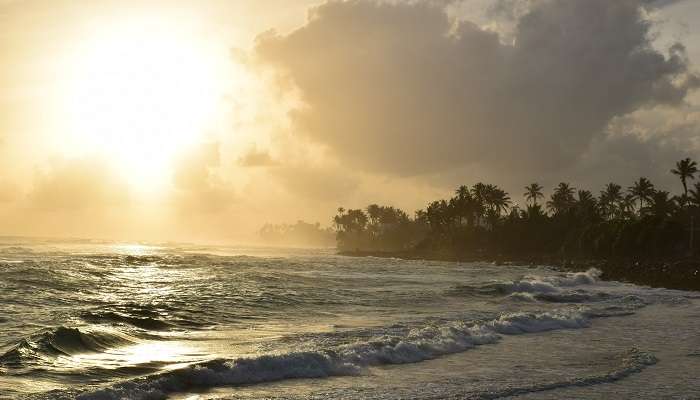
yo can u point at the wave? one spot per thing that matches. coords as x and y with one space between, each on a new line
148 323
554 289
146 316
417 345
550 284
61 341
632 361
142 259
564 296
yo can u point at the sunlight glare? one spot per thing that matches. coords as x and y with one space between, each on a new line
140 93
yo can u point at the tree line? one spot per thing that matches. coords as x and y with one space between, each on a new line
482 221
299 234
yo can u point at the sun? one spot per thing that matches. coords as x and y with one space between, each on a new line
139 93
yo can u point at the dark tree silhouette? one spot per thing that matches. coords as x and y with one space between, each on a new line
611 200
685 169
481 221
533 192
562 199
695 194
642 190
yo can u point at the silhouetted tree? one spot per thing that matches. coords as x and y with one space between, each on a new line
373 213
562 199
695 194
481 220
611 201
479 193
685 169
662 205
299 234
533 192
642 191
465 205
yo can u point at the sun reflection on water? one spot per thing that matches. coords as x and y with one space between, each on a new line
134 249
171 354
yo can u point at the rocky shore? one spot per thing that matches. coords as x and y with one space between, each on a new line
680 273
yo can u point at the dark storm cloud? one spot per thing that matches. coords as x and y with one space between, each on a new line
400 88
512 9
660 3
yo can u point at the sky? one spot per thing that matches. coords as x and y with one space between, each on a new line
203 120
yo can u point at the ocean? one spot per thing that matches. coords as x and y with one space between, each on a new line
92 320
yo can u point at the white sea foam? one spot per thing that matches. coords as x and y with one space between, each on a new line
550 284
419 344
556 289
632 361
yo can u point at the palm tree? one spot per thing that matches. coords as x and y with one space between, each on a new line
585 196
421 217
356 220
438 215
627 206
562 198
373 212
695 194
685 169
479 194
641 190
534 212
533 192
462 191
611 200
499 200
661 204
338 219
586 206
464 204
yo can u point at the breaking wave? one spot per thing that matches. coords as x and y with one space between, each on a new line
61 341
553 289
116 317
417 345
549 284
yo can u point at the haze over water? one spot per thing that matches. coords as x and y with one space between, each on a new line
201 121
110 321
382 127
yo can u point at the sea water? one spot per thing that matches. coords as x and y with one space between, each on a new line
92 320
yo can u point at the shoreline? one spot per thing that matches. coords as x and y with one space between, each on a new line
678 273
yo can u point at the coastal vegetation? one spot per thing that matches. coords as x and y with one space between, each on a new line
300 234
636 222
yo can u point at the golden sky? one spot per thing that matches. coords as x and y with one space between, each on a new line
202 120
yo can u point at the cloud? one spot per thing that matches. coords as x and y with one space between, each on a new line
514 9
401 88
198 186
256 158
645 143
660 3
509 9
318 183
76 185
